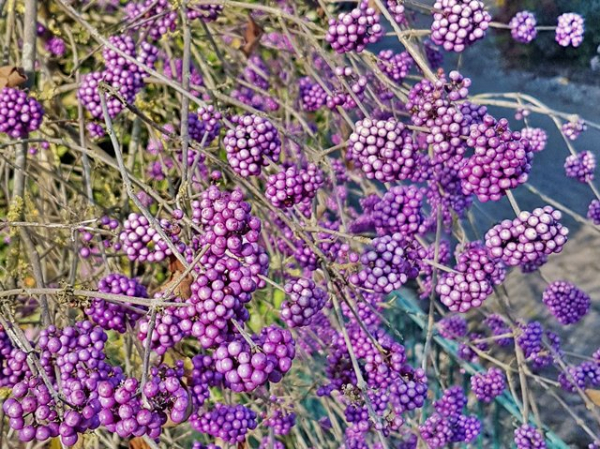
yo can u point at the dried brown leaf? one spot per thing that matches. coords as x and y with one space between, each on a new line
594 396
138 443
252 36
11 76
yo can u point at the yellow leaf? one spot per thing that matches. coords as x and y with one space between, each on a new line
594 396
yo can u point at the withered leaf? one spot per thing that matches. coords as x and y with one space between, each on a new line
138 443
252 36
184 288
11 76
594 396
242 445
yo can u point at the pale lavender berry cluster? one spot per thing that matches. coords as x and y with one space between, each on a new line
566 302
114 315
573 129
475 274
167 331
205 126
581 166
433 105
142 242
395 65
528 437
340 96
230 423
459 23
354 30
488 385
245 368
293 186
311 95
537 138
280 420
569 30
19 114
251 144
501 160
156 17
529 237
383 149
304 300
396 7
594 211
386 266
523 27
399 211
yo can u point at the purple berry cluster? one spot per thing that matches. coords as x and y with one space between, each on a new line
304 301
566 302
475 274
354 30
569 30
459 23
396 8
281 420
522 27
19 114
594 211
208 13
245 367
501 160
581 166
251 144
499 327
573 128
312 96
230 423
340 96
294 186
536 137
141 241
205 126
386 266
453 327
155 17
116 316
395 65
528 437
488 385
399 211
383 149
529 237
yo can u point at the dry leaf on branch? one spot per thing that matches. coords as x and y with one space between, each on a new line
138 443
11 76
252 36
594 396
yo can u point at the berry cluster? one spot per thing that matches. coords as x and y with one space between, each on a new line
305 301
396 7
19 114
245 368
116 316
573 129
395 65
566 302
294 186
459 23
311 95
527 238
453 327
475 274
594 211
522 27
488 385
581 166
501 160
386 266
527 437
384 149
569 30
205 126
155 17
230 423
354 30
536 137
398 211
251 144
141 241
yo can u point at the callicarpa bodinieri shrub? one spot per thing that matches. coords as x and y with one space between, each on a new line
288 224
